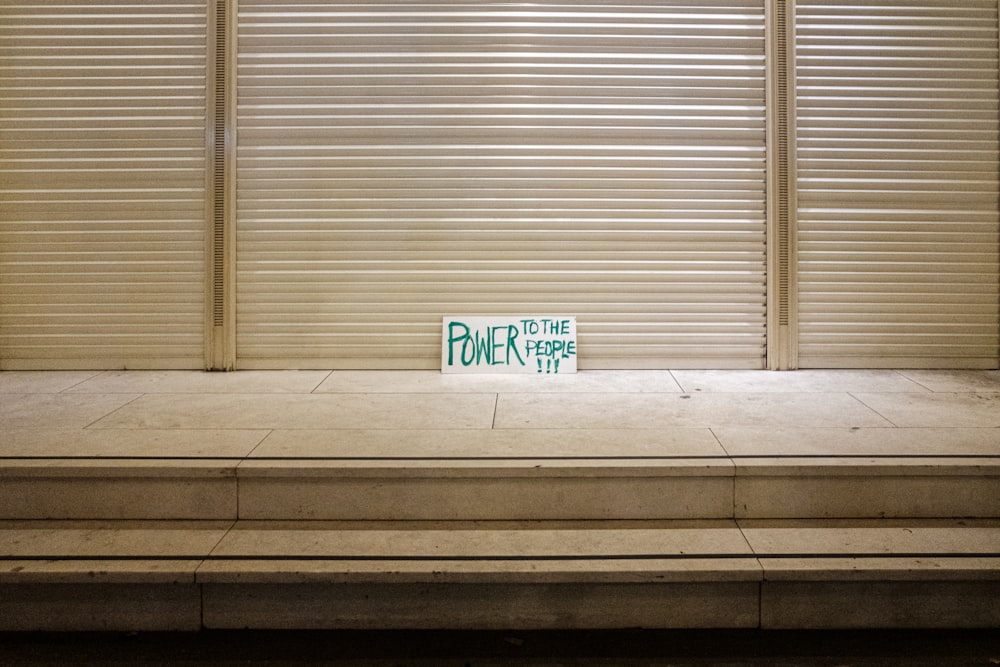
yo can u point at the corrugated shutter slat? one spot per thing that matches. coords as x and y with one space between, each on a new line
403 161
102 154
897 183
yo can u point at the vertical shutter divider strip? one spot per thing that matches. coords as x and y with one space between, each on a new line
219 169
897 145
782 267
221 293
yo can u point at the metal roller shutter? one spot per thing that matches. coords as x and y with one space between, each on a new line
102 180
897 183
400 161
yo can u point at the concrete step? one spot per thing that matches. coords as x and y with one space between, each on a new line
161 501
170 575
486 488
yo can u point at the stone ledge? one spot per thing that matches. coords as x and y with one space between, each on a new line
473 468
497 489
480 575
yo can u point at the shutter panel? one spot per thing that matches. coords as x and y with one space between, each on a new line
897 183
402 161
102 152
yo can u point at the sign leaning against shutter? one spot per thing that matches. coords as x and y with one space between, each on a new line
518 344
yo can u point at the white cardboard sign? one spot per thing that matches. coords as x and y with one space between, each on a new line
514 344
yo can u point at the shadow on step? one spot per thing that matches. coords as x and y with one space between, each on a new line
489 649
